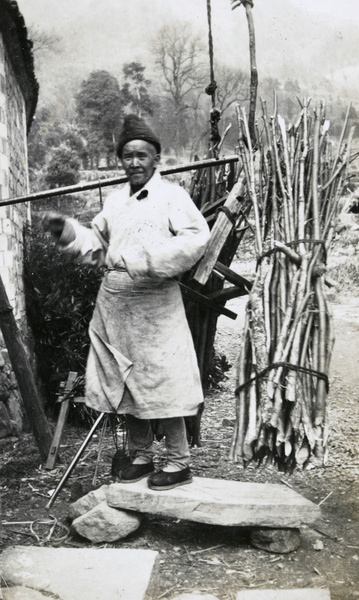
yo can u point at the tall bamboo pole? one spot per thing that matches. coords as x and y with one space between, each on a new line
248 5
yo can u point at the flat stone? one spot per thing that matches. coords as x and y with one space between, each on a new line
106 524
219 502
87 502
298 594
81 574
279 541
21 593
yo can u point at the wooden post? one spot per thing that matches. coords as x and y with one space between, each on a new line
61 422
24 375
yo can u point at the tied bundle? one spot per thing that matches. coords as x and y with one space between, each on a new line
294 179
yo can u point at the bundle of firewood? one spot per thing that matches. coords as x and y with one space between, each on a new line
295 180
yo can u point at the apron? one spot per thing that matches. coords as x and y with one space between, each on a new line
142 359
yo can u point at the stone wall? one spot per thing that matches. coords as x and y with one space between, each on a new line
13 182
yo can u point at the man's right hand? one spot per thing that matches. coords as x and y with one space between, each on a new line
53 222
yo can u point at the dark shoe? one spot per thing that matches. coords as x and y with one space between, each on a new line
134 473
120 462
167 481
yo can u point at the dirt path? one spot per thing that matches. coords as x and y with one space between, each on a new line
218 560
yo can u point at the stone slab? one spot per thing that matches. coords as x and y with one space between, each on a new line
81 574
298 594
219 502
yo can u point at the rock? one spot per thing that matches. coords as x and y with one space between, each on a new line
280 541
88 502
318 545
106 524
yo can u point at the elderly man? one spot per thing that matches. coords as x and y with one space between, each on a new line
142 361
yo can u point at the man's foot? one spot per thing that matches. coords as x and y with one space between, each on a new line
134 473
168 480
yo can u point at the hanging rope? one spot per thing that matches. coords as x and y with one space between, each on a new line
215 114
100 191
211 88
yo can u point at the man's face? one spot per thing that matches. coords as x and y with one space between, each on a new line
139 160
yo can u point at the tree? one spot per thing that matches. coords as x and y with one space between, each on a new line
38 137
42 41
99 110
232 86
63 167
178 53
134 90
46 134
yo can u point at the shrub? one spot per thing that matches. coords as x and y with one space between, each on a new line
60 298
63 167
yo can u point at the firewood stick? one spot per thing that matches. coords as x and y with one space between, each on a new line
341 139
279 356
289 191
287 235
252 185
315 173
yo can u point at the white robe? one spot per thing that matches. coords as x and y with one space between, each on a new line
142 360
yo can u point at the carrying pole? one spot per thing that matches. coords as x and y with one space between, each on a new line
91 185
75 460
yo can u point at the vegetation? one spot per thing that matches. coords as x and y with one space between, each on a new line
173 100
62 168
60 298
99 113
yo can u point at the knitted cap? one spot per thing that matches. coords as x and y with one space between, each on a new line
134 128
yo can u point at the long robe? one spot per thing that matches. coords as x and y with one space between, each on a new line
142 360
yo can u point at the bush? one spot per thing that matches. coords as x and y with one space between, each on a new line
60 298
63 167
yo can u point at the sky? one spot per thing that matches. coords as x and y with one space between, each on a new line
51 13
293 37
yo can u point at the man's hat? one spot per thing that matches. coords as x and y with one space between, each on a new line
134 128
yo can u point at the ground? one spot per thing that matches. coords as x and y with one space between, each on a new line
211 559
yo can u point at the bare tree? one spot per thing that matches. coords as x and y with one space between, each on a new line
42 41
180 55
232 86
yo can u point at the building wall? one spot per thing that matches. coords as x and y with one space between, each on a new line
13 182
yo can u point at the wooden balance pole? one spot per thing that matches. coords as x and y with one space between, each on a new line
24 375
